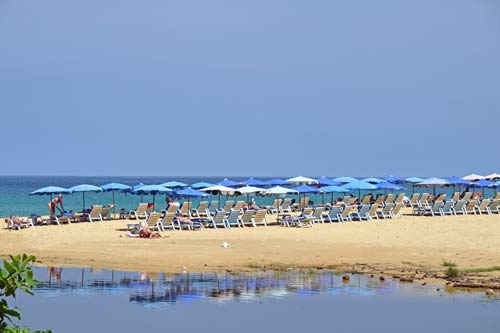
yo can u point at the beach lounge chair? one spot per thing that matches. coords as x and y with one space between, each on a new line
346 214
467 196
414 202
399 198
140 212
154 221
286 205
185 209
20 224
228 206
150 208
447 209
274 208
308 211
497 196
168 221
366 199
389 199
260 218
362 213
396 211
386 212
95 214
247 218
333 214
484 207
239 206
201 210
422 202
219 220
470 208
495 206
441 197
232 220
213 207
316 216
106 212
172 208
372 212
455 197
459 207
435 209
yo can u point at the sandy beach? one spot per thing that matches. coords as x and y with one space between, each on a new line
407 243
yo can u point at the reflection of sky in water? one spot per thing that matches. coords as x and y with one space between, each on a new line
83 300
164 289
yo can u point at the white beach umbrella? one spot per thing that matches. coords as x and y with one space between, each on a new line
300 180
219 189
249 190
278 190
493 176
473 177
434 182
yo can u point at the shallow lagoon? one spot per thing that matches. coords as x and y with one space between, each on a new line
84 300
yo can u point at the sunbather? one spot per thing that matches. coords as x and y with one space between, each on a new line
145 232
16 221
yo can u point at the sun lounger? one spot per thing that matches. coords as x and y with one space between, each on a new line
497 196
414 202
396 212
247 218
459 207
228 206
274 208
219 220
154 221
455 197
185 209
362 213
201 210
495 206
286 205
372 212
484 207
467 196
233 219
106 212
386 212
150 208
422 202
212 208
380 201
470 208
20 224
389 199
333 214
435 209
168 221
316 216
239 206
447 209
366 199
346 214
95 214
260 218
172 208
140 212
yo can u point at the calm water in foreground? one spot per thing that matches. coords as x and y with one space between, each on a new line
82 300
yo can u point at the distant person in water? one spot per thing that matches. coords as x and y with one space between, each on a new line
53 205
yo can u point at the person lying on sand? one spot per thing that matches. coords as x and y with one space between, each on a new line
15 221
143 231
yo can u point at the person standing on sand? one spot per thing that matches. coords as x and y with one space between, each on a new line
53 205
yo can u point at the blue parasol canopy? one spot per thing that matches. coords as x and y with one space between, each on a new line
174 184
394 180
253 182
276 182
152 189
228 183
189 192
49 190
84 188
388 186
334 189
414 180
458 181
372 180
306 189
359 185
327 182
201 185
483 183
116 187
345 179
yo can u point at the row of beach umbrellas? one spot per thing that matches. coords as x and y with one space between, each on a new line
254 186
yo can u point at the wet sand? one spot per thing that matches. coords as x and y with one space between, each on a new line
403 244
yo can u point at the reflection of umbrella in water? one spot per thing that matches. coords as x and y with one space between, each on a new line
152 190
83 188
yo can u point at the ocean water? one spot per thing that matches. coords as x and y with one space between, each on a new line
84 300
15 199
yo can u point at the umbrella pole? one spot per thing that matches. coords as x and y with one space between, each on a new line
83 195
113 192
154 203
323 198
332 198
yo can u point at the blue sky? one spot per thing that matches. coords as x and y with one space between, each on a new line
256 88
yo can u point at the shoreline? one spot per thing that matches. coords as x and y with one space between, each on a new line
412 247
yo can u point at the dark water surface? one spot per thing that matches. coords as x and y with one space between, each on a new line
83 300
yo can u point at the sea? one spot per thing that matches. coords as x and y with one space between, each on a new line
15 192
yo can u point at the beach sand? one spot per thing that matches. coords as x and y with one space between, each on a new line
402 244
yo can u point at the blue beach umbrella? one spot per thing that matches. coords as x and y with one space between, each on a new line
372 180
50 190
174 184
152 190
303 189
190 193
414 180
201 185
113 187
458 181
359 185
228 183
483 183
345 179
394 180
83 188
253 182
388 186
323 181
333 189
276 182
